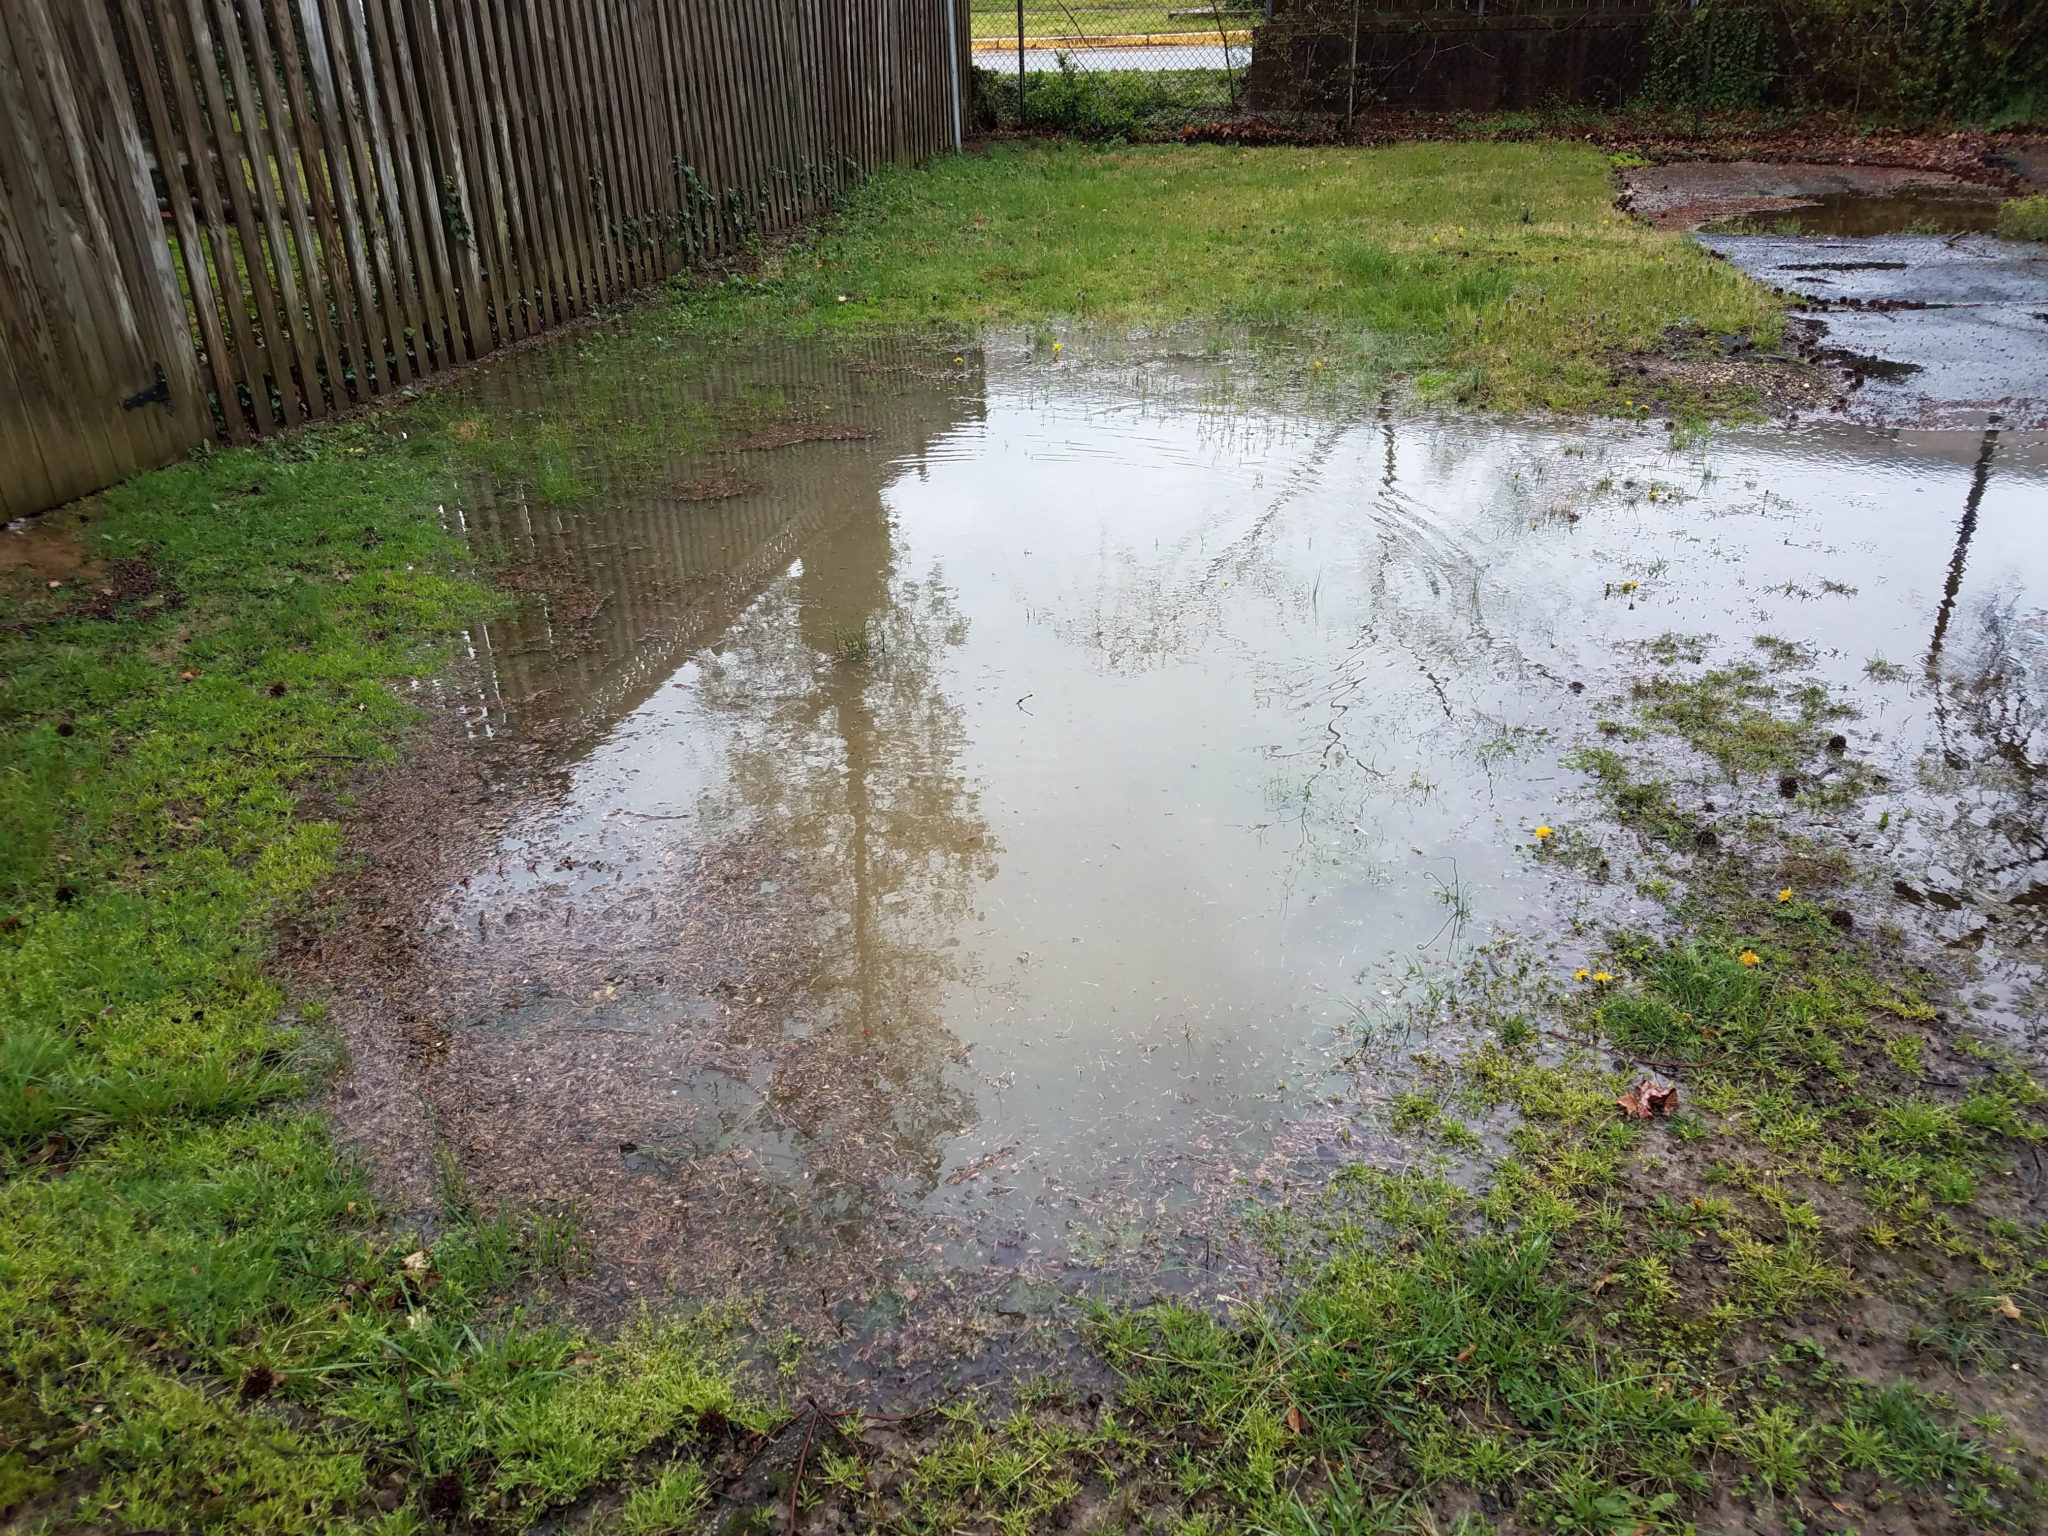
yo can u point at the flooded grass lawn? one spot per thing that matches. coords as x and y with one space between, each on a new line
1053 803
1226 950
979 847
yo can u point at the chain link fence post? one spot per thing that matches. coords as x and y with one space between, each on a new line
1351 79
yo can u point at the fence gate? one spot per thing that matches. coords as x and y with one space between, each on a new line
98 377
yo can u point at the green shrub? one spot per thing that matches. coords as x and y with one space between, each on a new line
2024 218
1105 104
1910 60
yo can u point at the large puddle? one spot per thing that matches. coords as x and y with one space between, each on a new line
1858 215
962 860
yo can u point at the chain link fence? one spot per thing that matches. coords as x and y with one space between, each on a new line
1351 56
1112 66
1119 67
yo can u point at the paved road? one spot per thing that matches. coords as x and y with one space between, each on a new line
1947 329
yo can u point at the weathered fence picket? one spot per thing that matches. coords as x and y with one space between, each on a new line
220 218
89 309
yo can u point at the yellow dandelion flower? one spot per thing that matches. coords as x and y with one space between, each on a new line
1785 894
1602 978
1581 974
1542 833
1750 957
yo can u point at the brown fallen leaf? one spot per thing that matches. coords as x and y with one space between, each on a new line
1464 1354
416 1262
1649 1097
2006 1308
1603 1282
577 1362
1294 1420
188 674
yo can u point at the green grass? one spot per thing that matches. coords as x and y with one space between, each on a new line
1419 1358
2024 218
1499 272
204 1322
151 759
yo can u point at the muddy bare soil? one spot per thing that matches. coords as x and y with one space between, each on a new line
529 1085
44 553
2010 162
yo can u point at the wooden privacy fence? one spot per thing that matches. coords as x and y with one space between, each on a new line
219 218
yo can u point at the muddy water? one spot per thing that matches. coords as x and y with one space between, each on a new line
1960 210
960 863
1931 331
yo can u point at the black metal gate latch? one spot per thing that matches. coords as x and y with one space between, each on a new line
159 391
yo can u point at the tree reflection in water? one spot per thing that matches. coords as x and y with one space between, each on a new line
1993 760
711 1021
846 757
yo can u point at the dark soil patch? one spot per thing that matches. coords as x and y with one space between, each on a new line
132 586
1691 363
2008 162
789 433
1985 159
52 580
711 488
1690 194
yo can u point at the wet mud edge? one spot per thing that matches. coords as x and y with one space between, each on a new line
426 1098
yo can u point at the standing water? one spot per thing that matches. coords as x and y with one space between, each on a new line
961 846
